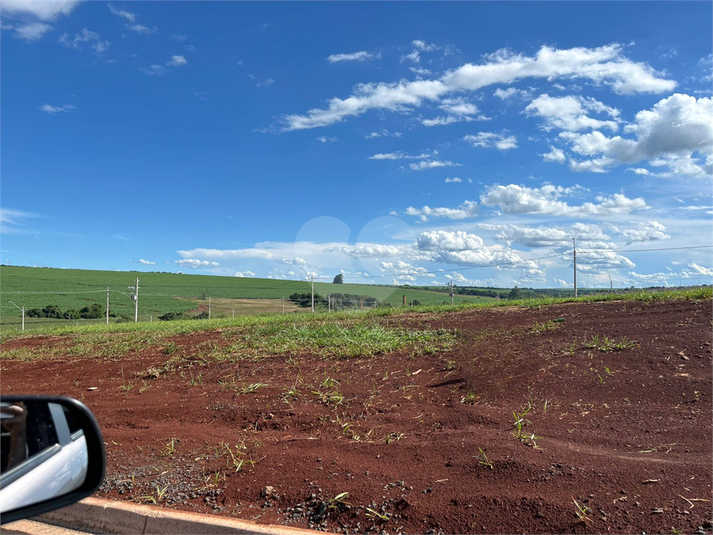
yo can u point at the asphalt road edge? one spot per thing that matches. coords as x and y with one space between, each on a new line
124 518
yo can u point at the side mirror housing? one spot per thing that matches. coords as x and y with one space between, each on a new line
51 455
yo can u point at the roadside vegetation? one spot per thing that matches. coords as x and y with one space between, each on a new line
305 327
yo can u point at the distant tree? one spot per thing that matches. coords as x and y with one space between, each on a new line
202 294
51 311
415 303
339 279
514 293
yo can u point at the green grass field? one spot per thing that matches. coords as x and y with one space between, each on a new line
160 293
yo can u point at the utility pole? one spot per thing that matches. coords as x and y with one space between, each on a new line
135 298
329 302
107 305
23 314
208 307
283 305
312 279
574 252
450 290
233 313
611 285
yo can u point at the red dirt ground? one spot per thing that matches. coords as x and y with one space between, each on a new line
625 433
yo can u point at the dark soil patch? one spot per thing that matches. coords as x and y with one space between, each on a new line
421 444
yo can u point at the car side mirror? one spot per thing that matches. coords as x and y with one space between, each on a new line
51 455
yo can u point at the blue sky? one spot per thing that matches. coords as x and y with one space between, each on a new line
414 143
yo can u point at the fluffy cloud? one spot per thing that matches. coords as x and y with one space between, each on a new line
376 250
146 262
510 93
667 135
432 164
544 236
570 113
466 210
462 280
603 66
459 247
131 17
514 199
529 236
297 261
196 263
555 155
401 269
454 180
42 9
54 110
491 139
85 36
382 133
140 28
401 156
694 270
356 56
595 261
176 61
244 274
458 109
30 31
648 231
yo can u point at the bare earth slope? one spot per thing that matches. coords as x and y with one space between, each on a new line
613 401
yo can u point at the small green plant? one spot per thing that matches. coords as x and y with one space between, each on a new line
581 511
450 366
156 497
383 517
540 328
126 387
289 394
520 423
608 344
170 348
470 398
170 448
196 381
393 437
251 388
339 501
328 382
483 459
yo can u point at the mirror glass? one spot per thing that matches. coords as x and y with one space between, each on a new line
43 452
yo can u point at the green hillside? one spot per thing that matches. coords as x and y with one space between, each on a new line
170 292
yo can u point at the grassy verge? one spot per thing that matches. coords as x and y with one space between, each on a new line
300 321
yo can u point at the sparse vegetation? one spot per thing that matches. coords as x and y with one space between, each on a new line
608 344
483 459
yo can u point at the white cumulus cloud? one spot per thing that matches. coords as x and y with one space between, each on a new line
176 61
491 139
466 210
668 135
570 113
354 56
515 199
605 65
